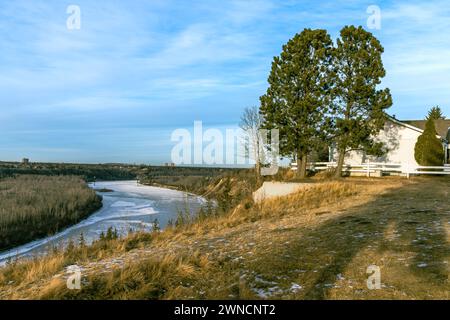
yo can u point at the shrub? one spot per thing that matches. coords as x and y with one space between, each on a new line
428 150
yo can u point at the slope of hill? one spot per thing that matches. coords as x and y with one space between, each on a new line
315 244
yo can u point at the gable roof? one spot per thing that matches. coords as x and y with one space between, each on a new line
442 126
411 124
404 124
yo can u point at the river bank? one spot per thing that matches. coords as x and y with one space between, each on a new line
35 206
130 206
315 244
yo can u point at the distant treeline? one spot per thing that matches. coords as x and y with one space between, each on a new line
112 171
157 171
88 172
192 179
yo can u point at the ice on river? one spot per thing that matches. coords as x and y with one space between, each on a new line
130 206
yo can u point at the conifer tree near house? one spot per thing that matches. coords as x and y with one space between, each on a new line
428 150
358 103
436 113
296 102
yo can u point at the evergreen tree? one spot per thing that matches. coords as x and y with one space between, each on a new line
109 234
115 234
359 105
225 198
179 221
435 113
81 240
155 226
297 100
428 150
70 247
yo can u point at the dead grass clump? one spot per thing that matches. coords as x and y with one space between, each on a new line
325 174
29 270
166 277
315 196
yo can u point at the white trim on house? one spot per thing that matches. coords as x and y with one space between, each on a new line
400 139
408 125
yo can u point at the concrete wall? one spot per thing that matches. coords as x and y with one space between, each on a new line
277 189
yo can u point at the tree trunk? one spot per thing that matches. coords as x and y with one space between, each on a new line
258 172
303 171
257 161
340 164
301 165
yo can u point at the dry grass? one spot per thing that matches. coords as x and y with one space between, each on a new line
316 244
319 195
33 206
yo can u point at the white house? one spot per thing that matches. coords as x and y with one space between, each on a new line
400 137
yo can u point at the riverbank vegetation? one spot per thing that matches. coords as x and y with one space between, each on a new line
315 244
35 206
178 177
88 172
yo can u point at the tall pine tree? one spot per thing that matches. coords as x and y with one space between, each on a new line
297 99
359 104
435 113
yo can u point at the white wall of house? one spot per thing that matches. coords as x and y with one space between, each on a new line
399 139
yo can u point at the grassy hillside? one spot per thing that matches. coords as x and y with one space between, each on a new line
34 206
196 180
316 244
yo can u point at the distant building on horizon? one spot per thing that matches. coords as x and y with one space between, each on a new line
169 164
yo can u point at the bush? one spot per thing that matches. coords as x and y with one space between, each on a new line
428 150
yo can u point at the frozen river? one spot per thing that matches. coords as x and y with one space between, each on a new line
129 206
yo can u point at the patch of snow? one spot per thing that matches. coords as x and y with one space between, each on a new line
261 280
422 265
295 287
267 293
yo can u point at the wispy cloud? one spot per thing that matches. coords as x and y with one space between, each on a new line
150 64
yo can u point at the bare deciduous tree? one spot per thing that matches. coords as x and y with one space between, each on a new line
251 122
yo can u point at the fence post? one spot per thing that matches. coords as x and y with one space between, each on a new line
368 168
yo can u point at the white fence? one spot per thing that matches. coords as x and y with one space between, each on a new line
379 168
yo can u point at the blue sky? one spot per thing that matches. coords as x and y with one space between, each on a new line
114 90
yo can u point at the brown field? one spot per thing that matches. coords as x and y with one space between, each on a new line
34 206
316 244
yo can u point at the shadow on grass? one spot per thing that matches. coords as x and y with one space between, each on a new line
419 213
